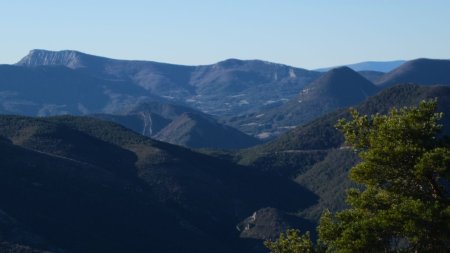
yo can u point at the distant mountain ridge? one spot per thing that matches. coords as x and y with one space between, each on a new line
267 123
419 71
340 87
260 98
228 87
380 66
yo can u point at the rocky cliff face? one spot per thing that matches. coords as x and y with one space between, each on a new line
267 223
68 58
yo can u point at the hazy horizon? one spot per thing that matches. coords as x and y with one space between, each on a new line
303 34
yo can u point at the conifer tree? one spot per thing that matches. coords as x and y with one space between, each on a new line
403 202
403 205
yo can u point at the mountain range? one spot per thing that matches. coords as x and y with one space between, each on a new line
93 157
102 175
337 88
261 99
226 88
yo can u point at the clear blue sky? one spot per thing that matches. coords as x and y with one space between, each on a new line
310 34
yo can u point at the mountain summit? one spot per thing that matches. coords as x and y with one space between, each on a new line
419 71
339 87
69 58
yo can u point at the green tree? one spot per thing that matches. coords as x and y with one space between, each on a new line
291 242
402 205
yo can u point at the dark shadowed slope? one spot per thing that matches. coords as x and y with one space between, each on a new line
420 71
82 207
86 185
338 88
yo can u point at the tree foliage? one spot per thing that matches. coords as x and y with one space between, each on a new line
403 205
291 242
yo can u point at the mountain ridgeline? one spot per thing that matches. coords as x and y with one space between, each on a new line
226 88
260 98
337 88
103 167
420 71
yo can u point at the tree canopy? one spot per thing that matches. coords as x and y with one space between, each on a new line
403 203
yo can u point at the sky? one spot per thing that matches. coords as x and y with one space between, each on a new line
308 34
